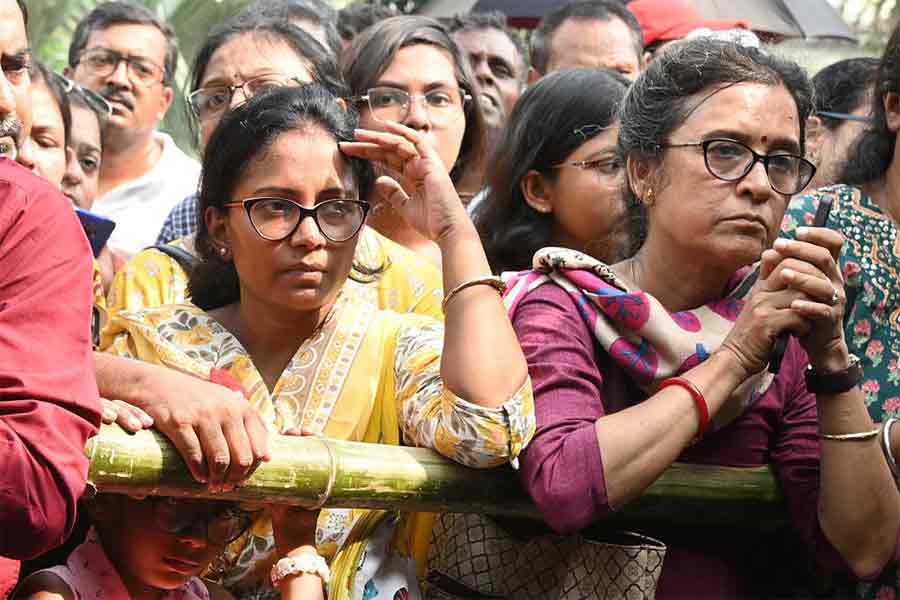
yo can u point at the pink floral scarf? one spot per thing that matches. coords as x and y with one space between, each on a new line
91 576
647 341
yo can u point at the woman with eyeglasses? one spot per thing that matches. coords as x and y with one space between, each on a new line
555 177
665 356
244 57
161 547
236 60
408 70
283 200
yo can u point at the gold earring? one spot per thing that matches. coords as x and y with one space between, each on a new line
648 200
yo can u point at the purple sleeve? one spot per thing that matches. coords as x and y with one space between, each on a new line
795 459
562 468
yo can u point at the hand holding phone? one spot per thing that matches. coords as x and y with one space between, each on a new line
781 341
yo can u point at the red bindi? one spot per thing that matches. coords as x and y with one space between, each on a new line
764 139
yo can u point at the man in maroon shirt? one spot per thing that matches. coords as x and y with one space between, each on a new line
49 405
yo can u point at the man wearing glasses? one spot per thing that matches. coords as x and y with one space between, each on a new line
122 51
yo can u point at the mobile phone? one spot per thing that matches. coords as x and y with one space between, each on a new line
97 228
781 341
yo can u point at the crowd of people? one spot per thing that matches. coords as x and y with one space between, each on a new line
639 237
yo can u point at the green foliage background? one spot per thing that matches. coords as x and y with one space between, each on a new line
51 23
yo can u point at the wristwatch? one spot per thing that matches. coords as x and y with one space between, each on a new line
834 382
303 563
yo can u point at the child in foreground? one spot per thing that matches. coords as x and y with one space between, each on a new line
157 548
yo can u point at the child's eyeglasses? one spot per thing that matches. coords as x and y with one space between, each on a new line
223 522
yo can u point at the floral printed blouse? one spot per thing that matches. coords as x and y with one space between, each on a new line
870 262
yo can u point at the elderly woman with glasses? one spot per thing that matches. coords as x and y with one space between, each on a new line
282 203
665 356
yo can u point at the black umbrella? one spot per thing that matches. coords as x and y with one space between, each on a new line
784 18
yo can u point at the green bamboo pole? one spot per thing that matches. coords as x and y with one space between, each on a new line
308 471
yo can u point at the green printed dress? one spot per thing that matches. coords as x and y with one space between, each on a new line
870 262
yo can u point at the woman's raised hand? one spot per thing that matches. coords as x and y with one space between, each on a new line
420 190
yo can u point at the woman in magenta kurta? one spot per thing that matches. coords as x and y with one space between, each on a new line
664 356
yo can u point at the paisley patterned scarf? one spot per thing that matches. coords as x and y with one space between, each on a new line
647 341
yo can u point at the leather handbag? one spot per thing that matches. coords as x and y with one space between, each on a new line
472 557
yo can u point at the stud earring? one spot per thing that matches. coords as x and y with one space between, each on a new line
648 200
223 251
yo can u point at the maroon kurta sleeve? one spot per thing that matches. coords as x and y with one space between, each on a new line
48 395
562 468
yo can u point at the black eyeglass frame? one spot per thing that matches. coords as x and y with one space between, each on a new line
129 61
763 158
233 88
248 204
244 520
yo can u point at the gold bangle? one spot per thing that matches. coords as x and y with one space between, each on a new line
843 437
491 280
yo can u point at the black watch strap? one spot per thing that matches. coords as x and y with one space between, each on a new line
836 382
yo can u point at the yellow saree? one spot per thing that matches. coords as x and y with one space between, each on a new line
367 375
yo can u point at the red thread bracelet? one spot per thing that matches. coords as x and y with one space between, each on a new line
699 401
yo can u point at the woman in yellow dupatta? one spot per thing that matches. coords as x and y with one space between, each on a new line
250 49
283 205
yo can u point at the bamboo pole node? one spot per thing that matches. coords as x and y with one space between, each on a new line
325 496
